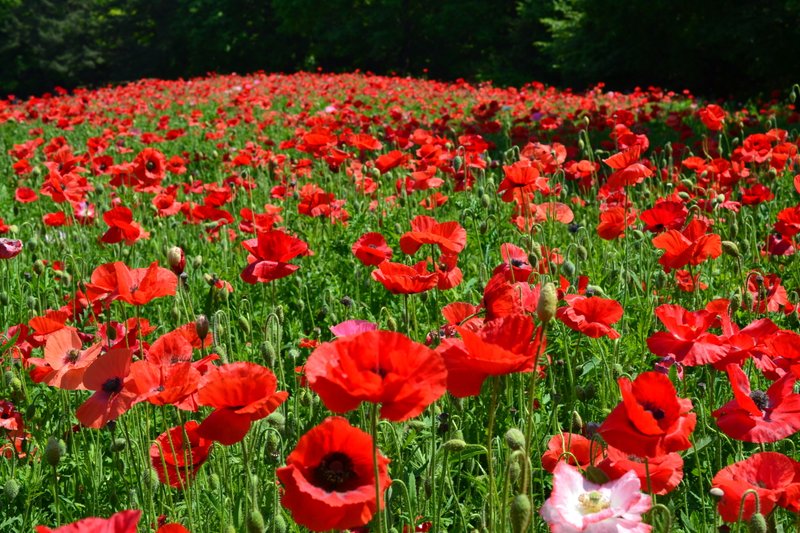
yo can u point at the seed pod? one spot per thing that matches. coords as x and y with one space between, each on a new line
54 451
548 301
515 439
520 513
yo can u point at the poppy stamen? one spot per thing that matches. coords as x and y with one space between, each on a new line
334 472
761 399
112 385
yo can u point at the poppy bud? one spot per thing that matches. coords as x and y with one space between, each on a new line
514 471
757 523
277 420
32 302
536 251
279 523
457 162
176 260
245 325
595 475
744 247
683 195
520 513
730 248
11 489
581 145
175 313
586 392
483 227
118 444
54 451
38 267
568 268
638 234
486 201
201 325
32 244
716 493
268 353
581 252
255 522
686 182
197 262
214 481
577 422
515 439
455 445
15 386
229 529
417 425
4 300
659 279
548 301
391 324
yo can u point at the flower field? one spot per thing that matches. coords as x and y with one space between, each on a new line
360 303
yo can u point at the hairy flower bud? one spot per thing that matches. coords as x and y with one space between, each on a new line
548 301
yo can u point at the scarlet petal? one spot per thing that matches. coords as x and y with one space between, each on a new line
224 426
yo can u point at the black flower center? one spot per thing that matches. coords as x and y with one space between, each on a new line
72 356
657 412
517 263
334 473
761 399
150 166
112 385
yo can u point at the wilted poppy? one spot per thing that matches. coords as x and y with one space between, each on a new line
329 478
651 420
381 367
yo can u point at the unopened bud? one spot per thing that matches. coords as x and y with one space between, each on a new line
520 513
255 522
201 326
548 300
176 260
455 445
11 489
515 439
716 493
54 451
730 248
757 523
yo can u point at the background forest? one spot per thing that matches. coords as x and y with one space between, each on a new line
714 48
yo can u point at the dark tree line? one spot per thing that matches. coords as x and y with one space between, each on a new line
713 47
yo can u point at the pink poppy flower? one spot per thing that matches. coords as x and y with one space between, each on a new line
352 327
9 248
579 505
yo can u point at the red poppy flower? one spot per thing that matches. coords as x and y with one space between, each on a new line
393 159
162 384
613 223
628 170
768 295
121 227
691 246
138 286
665 215
687 339
371 249
270 253
403 279
177 454
502 346
10 418
9 248
516 266
449 274
329 478
665 471
574 449
25 195
241 393
378 367
592 316
121 522
773 476
450 237
651 420
66 359
758 416
106 376
713 117
149 167
520 181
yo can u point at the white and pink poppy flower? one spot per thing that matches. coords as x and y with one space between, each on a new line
578 505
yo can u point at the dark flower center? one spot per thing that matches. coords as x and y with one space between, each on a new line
150 166
761 399
72 356
657 412
334 472
517 263
112 385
